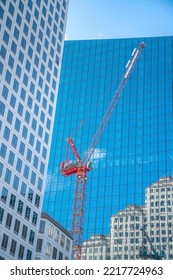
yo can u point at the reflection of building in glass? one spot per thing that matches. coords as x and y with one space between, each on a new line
136 148
140 232
96 248
126 232
31 43
159 207
54 242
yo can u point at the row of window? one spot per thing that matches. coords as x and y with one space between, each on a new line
29 101
54 233
18 70
20 209
14 246
55 254
13 159
21 57
17 125
23 190
16 180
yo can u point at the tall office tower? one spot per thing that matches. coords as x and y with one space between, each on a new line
31 36
136 148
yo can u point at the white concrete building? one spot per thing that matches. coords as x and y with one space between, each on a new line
54 242
96 248
159 207
31 43
126 234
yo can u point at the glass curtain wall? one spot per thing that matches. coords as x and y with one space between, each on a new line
129 193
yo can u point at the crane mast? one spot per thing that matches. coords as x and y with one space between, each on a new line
81 167
143 253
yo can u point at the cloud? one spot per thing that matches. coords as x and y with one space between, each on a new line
66 37
98 154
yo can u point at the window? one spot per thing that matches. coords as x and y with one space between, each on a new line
1 214
13 47
23 189
3 150
38 146
19 165
16 33
13 247
56 236
40 184
24 132
8 23
11 9
35 163
42 227
39 245
22 148
31 237
27 213
11 62
29 155
3 52
54 255
4 242
18 20
17 125
68 245
13 101
30 194
26 171
62 240
15 85
20 207
4 194
21 6
7 176
1 169
37 200
2 108
6 37
5 92
60 255
50 231
14 141
12 201
6 133
29 255
9 117
24 232
34 218
21 252
48 249
16 226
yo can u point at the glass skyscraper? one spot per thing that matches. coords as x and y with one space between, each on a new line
135 151
31 42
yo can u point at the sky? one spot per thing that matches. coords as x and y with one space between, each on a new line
104 19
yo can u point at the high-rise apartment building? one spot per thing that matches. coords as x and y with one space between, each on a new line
31 36
136 148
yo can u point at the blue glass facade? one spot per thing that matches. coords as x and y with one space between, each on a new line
136 148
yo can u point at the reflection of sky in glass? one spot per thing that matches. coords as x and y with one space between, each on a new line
136 148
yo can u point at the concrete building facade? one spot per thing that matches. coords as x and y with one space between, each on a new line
31 35
54 242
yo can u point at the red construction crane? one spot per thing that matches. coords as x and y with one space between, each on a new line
81 167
